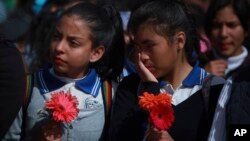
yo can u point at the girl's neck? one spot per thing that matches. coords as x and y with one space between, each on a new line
71 75
178 74
63 78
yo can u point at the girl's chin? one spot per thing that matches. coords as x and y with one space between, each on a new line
59 71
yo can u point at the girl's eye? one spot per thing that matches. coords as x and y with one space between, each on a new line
232 24
228 24
73 43
149 45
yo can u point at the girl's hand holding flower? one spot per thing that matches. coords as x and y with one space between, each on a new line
51 131
63 109
161 115
158 135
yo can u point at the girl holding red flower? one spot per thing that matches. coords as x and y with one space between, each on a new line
68 99
165 40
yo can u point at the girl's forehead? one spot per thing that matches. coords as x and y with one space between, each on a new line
153 29
74 25
73 20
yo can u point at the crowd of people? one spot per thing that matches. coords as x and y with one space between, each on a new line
103 55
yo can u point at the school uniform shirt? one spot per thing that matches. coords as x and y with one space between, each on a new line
192 123
91 118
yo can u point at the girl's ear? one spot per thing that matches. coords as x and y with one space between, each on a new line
180 38
96 54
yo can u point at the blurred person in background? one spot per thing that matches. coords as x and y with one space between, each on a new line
227 24
204 42
12 79
17 25
228 27
204 4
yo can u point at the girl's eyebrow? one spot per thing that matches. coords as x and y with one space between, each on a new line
75 37
146 41
70 36
231 21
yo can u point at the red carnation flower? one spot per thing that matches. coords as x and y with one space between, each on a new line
63 106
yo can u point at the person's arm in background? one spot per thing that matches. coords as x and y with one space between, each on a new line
12 84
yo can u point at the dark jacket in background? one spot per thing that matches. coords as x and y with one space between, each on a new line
238 106
12 84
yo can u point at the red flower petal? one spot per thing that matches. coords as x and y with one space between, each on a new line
160 109
63 106
162 117
147 101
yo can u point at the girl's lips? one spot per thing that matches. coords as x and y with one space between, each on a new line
224 46
59 61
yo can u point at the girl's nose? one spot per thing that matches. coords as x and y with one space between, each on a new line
224 31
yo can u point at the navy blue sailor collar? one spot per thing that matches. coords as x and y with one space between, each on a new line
90 84
195 77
